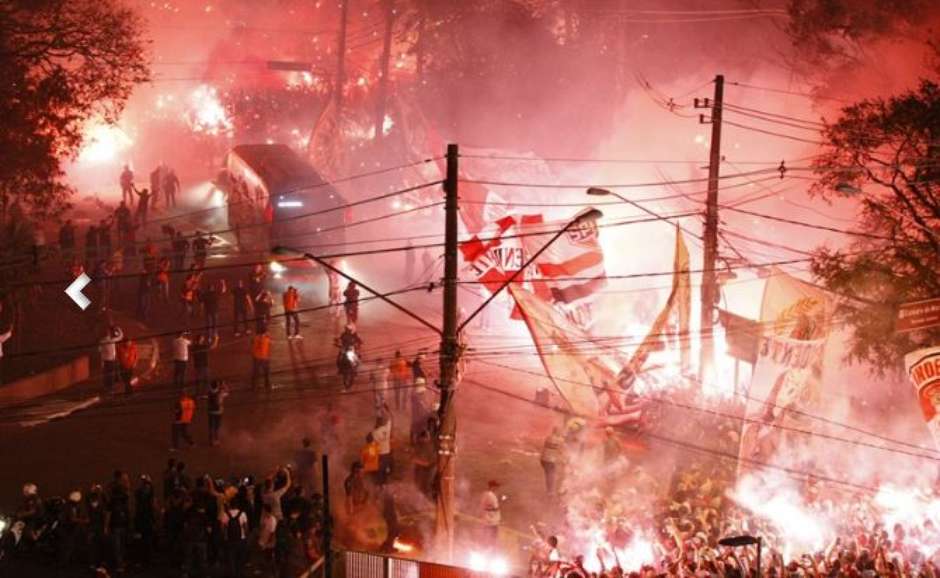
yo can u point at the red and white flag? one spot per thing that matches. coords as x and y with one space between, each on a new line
571 268
492 258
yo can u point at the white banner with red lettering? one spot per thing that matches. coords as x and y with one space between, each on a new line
923 367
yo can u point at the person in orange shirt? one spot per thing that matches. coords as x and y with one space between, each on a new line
185 409
369 456
261 359
127 358
400 374
291 312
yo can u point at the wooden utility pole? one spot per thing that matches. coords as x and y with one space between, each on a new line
381 100
446 441
341 60
710 237
327 520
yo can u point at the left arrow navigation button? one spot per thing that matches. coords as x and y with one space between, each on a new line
74 291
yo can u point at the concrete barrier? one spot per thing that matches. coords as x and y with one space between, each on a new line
44 383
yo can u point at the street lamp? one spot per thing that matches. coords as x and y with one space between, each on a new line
599 192
744 540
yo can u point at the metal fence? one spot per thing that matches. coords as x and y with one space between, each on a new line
364 565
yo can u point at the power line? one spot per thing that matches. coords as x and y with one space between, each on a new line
791 92
807 225
772 133
626 185
743 418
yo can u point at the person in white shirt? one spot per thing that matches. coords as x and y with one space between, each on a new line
108 350
383 436
272 496
266 531
379 378
489 504
180 359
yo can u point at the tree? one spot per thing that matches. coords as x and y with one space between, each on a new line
63 63
886 152
832 39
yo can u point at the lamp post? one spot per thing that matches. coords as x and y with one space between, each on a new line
744 540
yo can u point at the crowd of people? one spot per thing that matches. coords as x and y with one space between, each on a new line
199 526
670 522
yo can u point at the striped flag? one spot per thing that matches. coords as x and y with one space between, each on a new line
572 267
492 258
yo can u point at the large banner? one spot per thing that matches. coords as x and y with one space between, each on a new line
675 313
569 355
788 374
923 367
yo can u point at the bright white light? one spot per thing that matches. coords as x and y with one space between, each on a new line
103 142
477 562
485 564
207 113
396 204
3 525
387 124
277 268
283 204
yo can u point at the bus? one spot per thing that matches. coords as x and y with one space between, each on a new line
276 198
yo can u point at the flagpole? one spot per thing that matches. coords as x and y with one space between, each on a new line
592 215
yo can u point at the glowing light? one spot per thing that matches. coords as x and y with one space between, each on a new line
284 204
699 139
206 113
277 269
487 564
396 204
401 546
362 81
103 142
387 124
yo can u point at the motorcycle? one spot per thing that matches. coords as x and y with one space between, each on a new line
347 364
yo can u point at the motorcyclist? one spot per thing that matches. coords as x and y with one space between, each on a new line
349 339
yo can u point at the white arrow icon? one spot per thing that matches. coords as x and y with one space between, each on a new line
75 291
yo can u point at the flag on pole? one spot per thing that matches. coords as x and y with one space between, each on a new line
677 307
572 266
584 378
789 373
492 258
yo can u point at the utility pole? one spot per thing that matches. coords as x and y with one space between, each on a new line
382 95
327 520
446 441
341 60
710 237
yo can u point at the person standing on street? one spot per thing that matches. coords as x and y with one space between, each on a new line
156 183
243 308
145 517
218 391
264 302
489 504
183 416
234 523
200 351
127 185
291 312
180 247
171 185
552 459
261 359
180 359
306 462
143 205
398 371
210 298
351 303
201 245
383 436
127 358
118 518
108 350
